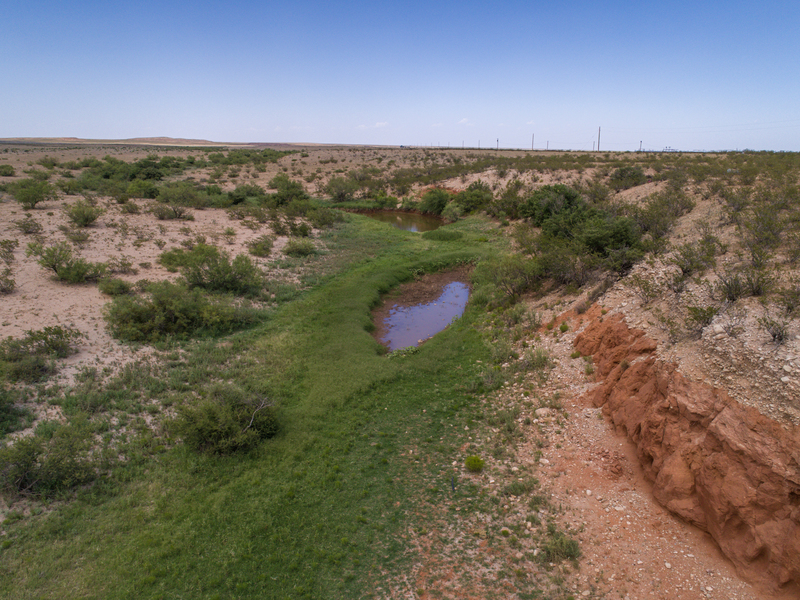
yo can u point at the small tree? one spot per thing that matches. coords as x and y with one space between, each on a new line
30 192
341 189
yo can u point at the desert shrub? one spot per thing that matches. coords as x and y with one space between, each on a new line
658 215
245 211
287 190
80 270
299 229
83 213
142 188
451 213
730 286
476 197
566 263
298 247
29 359
700 317
247 193
7 282
261 246
520 488
627 177
7 248
227 420
777 328
512 275
474 464
341 189
551 201
129 208
167 212
182 194
30 192
558 547
44 467
211 269
172 310
67 267
7 171
114 286
12 416
758 282
694 258
29 225
434 201
324 217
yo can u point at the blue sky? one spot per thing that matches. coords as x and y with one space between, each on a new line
696 75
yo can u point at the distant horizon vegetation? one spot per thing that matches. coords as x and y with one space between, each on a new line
178 141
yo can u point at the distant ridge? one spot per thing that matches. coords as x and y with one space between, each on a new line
143 141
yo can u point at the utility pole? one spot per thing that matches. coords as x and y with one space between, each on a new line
640 145
532 136
498 143
598 139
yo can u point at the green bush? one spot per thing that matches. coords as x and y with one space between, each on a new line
627 177
559 547
129 208
321 218
29 359
182 194
83 214
476 197
261 246
12 417
7 282
39 467
29 225
434 201
299 247
341 189
141 188
30 192
247 192
287 190
227 420
699 318
211 269
172 310
7 171
168 212
474 464
67 267
114 286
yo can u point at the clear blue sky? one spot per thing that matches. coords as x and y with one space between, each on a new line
689 75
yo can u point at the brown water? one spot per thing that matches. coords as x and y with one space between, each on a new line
410 325
406 220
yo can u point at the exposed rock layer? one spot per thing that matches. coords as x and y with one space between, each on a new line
719 465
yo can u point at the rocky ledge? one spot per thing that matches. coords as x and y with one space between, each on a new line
720 465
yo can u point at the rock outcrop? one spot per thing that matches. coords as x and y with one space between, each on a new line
715 463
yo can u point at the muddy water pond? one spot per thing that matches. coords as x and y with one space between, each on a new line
420 309
406 220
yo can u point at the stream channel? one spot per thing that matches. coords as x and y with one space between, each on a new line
420 309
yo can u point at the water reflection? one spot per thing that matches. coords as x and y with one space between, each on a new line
406 220
409 325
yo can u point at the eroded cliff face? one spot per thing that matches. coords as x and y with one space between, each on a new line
719 465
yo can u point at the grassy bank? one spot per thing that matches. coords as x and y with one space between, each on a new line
319 510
